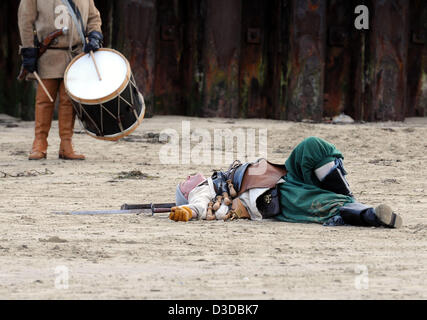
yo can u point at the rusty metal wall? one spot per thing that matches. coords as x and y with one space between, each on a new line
343 51
416 102
280 59
221 57
134 33
388 47
306 60
16 98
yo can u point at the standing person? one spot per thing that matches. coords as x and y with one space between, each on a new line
37 19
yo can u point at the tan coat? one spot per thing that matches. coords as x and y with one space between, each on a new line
46 16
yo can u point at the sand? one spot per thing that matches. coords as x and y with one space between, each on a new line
44 255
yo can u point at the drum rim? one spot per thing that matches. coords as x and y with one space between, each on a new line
125 133
111 96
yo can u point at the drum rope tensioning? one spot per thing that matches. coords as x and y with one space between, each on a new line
108 109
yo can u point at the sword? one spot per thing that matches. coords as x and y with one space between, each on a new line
147 206
126 209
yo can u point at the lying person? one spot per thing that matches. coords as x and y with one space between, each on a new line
310 187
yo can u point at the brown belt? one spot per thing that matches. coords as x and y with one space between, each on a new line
64 48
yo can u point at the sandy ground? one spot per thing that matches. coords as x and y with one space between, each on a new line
144 257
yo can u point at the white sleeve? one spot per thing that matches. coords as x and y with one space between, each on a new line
249 199
199 198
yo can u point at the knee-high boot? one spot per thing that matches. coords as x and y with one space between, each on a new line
66 120
43 119
358 214
335 181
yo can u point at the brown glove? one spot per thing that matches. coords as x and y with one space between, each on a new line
183 214
238 211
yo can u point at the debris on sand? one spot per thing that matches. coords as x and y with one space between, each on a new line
26 174
390 181
135 175
149 137
342 119
383 162
19 153
54 239
8 121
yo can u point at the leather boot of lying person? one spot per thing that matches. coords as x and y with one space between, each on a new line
183 214
335 181
238 211
387 217
358 214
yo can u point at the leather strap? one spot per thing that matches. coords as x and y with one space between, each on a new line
67 48
393 219
77 19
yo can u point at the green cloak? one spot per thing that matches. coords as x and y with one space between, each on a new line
301 198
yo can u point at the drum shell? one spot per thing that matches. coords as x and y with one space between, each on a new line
114 116
113 119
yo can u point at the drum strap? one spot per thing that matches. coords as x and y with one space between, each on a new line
77 18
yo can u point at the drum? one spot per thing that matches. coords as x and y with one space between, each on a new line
110 108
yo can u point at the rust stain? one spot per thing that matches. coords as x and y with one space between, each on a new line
313 5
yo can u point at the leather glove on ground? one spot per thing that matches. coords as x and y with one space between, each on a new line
95 40
183 214
29 59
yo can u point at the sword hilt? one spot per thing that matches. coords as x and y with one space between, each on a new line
155 208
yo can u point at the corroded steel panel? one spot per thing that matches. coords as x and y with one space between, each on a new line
16 98
388 59
281 59
338 69
105 8
134 33
169 52
192 81
282 55
276 48
306 60
253 61
221 54
261 59
417 60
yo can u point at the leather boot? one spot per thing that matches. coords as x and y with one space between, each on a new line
66 120
43 119
335 181
358 214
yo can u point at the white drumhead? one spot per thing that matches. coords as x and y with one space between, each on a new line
82 81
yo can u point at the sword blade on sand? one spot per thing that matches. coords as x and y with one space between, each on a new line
113 212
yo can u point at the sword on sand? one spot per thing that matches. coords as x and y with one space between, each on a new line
137 209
